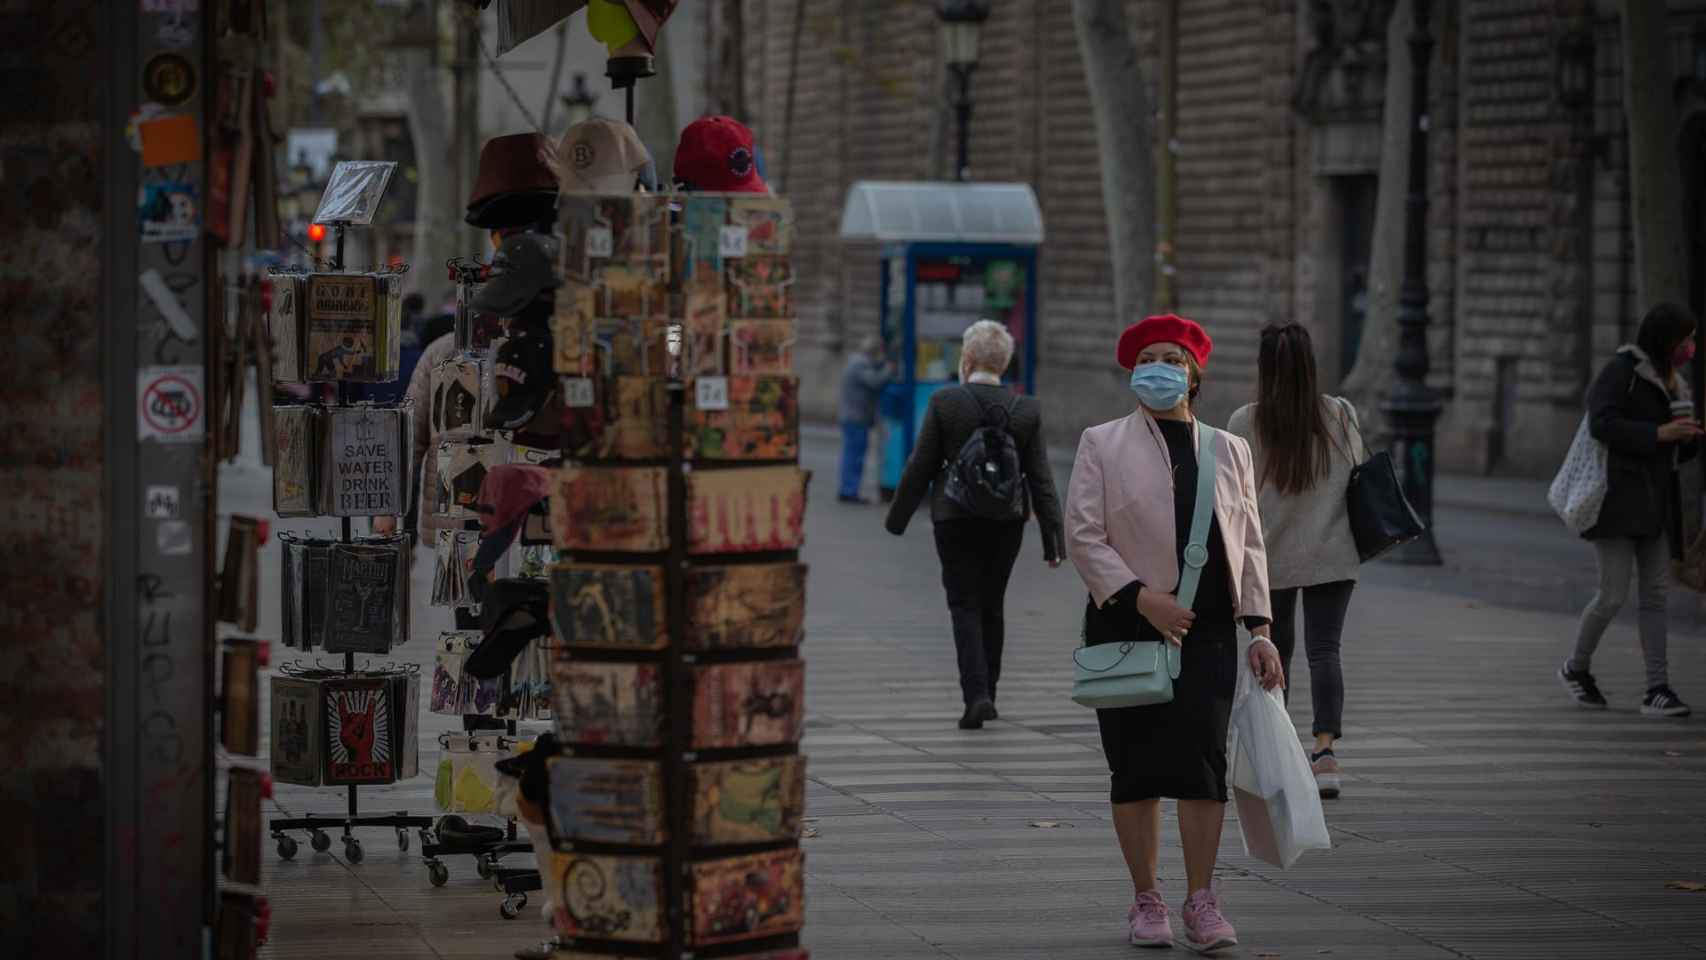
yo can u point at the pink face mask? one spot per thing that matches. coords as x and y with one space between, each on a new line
1683 353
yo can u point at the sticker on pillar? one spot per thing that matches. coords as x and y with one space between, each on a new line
170 140
168 210
161 503
169 79
173 538
169 404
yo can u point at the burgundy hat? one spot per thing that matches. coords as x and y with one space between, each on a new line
513 173
1165 328
715 155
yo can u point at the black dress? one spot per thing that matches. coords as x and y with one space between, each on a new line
1176 749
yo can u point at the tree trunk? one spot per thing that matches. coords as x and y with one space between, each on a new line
438 231
1370 379
1125 139
1654 173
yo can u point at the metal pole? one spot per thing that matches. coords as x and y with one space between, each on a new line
962 107
1412 409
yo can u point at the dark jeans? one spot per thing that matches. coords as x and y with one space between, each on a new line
1324 607
977 558
855 438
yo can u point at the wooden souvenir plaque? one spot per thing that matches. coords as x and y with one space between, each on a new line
744 898
608 897
737 606
608 607
759 704
747 801
762 422
614 704
610 508
606 801
748 510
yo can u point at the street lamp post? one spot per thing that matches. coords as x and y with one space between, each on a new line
961 22
577 103
1411 408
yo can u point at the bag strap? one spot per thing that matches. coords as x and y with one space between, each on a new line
1202 517
1348 430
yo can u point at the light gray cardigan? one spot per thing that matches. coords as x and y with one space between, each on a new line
1309 534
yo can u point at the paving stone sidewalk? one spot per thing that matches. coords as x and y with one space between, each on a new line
1483 815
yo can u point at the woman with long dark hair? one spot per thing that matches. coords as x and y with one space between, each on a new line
1305 444
1639 408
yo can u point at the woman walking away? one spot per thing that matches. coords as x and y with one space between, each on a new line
1638 408
978 541
1130 510
1305 445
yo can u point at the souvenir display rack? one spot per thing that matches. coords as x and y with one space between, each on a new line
708 512
317 825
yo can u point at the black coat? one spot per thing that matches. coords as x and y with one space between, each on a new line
951 418
1625 411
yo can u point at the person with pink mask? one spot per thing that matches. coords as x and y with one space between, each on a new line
1639 408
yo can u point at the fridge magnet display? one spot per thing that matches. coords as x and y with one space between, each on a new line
573 322
748 510
608 607
747 801
633 346
366 461
367 599
761 288
577 217
744 898
757 704
297 732
761 422
768 222
704 327
606 801
745 606
639 227
295 473
637 428
358 731
613 704
608 898
761 347
609 509
629 290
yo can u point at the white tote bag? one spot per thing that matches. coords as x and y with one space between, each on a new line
1579 489
1279 804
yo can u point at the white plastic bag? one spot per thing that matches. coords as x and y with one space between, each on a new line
1279 805
1578 490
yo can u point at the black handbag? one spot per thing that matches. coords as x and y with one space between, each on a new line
1381 516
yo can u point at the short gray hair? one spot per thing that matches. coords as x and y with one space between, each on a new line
987 347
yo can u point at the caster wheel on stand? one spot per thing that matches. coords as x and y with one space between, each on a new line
320 840
402 840
438 873
487 865
512 906
427 836
286 847
352 850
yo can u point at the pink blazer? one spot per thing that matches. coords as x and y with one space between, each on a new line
1119 513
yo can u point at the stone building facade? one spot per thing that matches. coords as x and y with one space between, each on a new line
1281 134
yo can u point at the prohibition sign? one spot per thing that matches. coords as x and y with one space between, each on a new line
171 404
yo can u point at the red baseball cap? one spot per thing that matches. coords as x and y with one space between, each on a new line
1164 328
716 155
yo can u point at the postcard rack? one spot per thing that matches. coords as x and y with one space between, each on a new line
677 600
319 826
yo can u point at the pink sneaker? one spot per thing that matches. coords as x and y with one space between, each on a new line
1148 920
1205 929
1327 775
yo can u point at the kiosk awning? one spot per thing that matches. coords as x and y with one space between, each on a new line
893 212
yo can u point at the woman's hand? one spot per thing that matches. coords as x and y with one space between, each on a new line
1163 612
1679 430
1265 663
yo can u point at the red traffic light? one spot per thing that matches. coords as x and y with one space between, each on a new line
316 232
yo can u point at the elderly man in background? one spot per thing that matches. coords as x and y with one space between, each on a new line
861 382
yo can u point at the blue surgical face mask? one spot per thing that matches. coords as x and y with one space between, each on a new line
1160 386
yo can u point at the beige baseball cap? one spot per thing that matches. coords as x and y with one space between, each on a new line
599 156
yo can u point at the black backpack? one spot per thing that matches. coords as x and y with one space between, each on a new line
985 479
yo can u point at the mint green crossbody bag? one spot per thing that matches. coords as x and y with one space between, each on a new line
1137 673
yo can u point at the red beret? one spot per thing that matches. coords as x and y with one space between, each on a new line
1165 328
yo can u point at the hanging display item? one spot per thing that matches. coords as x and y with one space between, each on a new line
606 801
240 700
295 471
240 855
366 461
761 347
610 509
756 704
760 421
453 567
768 223
359 731
353 327
455 693
303 591
367 600
747 801
702 220
744 898
461 466
748 510
297 731
609 897
608 607
458 388
705 329
761 287
608 704
736 606
467 778
285 326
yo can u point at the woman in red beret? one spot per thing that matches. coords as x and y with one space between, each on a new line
1130 514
